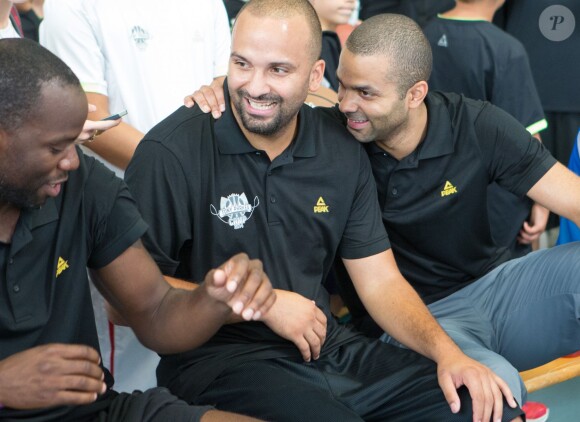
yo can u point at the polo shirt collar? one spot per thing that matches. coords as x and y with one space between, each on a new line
231 140
439 140
30 219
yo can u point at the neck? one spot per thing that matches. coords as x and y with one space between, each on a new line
273 145
9 215
5 7
483 10
408 137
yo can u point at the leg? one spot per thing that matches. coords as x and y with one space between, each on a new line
384 382
533 304
277 390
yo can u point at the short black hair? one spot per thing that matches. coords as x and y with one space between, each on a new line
25 66
400 40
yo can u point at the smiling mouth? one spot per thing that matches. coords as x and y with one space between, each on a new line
260 105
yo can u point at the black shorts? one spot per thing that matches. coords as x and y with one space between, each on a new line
361 380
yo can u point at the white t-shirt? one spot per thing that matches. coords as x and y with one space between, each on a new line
145 56
9 31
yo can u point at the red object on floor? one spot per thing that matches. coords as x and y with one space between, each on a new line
573 355
536 412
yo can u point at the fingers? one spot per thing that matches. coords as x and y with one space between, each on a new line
506 391
251 293
210 100
450 393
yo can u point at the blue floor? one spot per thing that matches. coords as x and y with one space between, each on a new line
563 400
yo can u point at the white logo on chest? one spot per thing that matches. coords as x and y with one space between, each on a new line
233 210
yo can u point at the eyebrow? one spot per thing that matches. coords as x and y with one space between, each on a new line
359 87
273 64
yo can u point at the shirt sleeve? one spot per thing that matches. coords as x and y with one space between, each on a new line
365 234
115 222
514 90
68 31
514 159
155 176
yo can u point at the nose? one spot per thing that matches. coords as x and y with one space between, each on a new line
70 161
257 84
346 104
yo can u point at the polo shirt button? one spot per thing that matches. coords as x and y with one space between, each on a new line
395 192
16 288
273 199
11 261
269 173
257 152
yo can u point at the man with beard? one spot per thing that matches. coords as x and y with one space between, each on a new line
59 213
433 156
274 179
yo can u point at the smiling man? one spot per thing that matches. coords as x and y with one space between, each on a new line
61 212
277 180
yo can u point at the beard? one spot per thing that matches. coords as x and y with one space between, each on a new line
257 124
19 197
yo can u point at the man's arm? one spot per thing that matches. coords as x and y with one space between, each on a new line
170 320
398 310
559 191
292 317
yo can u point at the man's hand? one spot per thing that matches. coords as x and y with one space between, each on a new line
532 230
51 375
241 284
485 387
299 320
209 98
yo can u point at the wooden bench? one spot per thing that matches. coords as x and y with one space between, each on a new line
554 372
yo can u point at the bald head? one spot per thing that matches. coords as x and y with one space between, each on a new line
283 9
398 39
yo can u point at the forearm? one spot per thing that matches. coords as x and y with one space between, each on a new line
186 319
396 307
116 145
165 319
404 316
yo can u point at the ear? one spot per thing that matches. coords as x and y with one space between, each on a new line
316 75
416 94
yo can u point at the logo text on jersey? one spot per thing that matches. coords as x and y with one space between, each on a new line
61 266
233 210
321 206
448 189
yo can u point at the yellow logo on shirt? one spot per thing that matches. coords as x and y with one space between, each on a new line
320 206
449 189
61 266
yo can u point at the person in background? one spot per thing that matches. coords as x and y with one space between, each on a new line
140 57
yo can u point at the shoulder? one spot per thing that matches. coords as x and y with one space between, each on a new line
183 126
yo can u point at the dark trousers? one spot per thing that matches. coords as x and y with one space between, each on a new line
363 380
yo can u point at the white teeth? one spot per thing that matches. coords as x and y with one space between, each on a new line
260 106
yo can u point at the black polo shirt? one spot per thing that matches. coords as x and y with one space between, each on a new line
477 59
44 296
434 201
208 194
